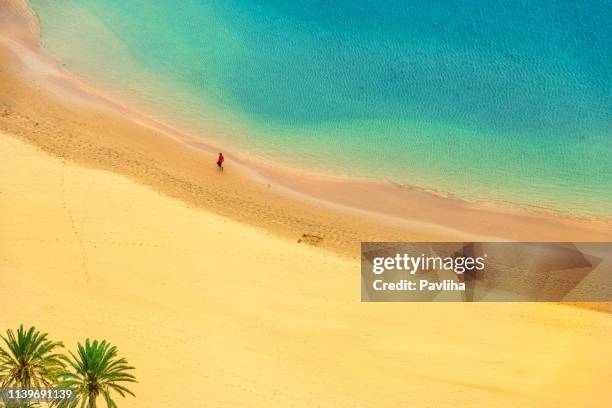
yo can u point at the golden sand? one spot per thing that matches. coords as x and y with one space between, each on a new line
216 313
115 226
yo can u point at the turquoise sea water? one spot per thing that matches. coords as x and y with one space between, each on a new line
487 100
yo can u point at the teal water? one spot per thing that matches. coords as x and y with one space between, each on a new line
487 100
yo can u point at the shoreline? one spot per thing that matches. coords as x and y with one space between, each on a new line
551 187
340 211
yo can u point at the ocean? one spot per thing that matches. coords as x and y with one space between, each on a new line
485 100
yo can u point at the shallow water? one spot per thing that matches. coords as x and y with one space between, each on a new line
480 99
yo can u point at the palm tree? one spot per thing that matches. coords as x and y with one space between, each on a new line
29 359
96 370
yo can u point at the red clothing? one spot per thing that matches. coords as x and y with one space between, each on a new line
220 160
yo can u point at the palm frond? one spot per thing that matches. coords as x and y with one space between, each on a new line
94 371
29 359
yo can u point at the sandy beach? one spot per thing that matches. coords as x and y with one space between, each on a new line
224 314
114 225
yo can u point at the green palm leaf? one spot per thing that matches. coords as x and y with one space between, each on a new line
95 371
29 359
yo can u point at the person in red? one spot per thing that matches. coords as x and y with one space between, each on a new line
220 161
